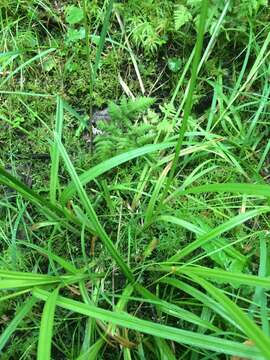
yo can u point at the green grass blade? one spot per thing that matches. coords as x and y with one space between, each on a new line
22 93
46 327
166 332
29 194
91 323
247 189
14 279
243 69
214 35
105 27
54 150
252 331
173 310
93 352
218 275
200 296
50 210
12 326
189 100
14 295
260 296
228 225
19 275
219 242
93 69
260 59
13 245
90 68
73 112
82 217
92 215
164 349
155 194
25 64
265 154
263 272
18 284
67 265
109 164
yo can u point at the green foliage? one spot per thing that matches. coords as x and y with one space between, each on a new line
253 5
181 16
74 15
73 35
128 109
174 64
122 133
26 40
145 34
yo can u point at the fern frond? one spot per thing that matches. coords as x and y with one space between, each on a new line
139 105
129 108
181 16
122 133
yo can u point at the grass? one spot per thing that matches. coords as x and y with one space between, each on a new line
150 240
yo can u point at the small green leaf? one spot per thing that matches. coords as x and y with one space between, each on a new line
174 64
95 39
75 35
74 15
49 64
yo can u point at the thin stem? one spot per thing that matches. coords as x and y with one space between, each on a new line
91 80
189 102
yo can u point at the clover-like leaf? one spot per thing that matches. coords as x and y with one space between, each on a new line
74 15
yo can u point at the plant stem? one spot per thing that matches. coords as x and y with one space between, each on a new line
189 102
91 80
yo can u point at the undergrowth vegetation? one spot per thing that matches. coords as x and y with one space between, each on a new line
134 171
